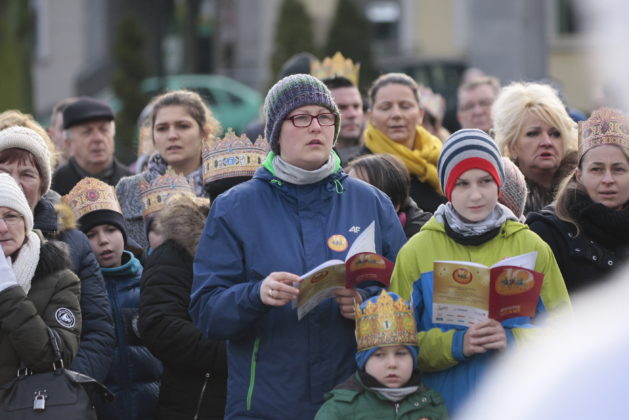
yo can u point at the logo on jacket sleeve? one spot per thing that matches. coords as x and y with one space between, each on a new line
337 243
65 317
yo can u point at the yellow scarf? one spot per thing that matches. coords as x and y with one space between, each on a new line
421 161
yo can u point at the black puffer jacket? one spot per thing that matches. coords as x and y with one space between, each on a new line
97 334
582 261
195 368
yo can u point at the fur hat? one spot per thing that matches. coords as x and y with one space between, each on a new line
24 138
468 149
11 196
291 93
513 192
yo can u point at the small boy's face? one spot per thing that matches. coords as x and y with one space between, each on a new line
107 243
392 366
156 237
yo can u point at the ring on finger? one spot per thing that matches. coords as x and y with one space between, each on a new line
271 293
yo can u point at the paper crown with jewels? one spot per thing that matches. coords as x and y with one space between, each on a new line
605 126
335 66
156 193
233 156
91 194
385 321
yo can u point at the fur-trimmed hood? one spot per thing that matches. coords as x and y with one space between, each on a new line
54 256
53 217
182 220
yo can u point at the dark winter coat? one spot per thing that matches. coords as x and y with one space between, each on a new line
538 196
583 262
24 318
68 175
97 333
412 217
195 368
134 374
352 400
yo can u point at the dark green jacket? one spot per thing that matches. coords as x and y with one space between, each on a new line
53 301
353 401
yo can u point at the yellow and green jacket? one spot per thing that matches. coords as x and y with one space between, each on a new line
441 358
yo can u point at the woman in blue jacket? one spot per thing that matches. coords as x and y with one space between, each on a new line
299 210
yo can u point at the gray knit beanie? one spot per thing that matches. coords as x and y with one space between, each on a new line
12 196
291 93
468 149
18 137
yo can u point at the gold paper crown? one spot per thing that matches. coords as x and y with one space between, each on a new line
605 126
91 194
335 67
386 322
156 193
233 156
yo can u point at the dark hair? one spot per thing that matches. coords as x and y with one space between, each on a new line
193 103
21 156
385 172
392 79
337 82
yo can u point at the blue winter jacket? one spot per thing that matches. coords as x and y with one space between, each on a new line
135 372
97 333
279 367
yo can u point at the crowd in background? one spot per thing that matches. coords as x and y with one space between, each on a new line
172 283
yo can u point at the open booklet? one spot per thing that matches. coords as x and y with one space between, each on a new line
466 292
361 264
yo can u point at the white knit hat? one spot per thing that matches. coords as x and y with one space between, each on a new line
24 138
11 196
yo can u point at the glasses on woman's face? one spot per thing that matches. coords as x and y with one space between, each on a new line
304 120
11 219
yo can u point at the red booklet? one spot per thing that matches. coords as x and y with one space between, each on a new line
466 292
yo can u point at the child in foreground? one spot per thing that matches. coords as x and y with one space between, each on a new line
387 384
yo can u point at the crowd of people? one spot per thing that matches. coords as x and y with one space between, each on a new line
174 284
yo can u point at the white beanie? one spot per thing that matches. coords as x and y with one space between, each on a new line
11 196
19 137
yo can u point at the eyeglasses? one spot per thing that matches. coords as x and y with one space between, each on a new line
483 103
304 120
11 219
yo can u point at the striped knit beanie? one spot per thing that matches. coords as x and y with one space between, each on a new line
19 137
12 196
290 93
468 149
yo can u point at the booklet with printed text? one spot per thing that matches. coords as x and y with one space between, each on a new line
466 292
361 264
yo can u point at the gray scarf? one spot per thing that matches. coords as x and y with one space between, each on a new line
396 394
294 175
496 218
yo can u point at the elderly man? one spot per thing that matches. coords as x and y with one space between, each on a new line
347 97
475 98
89 136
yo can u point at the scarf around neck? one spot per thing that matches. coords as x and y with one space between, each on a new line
157 166
446 214
421 161
298 176
26 262
605 226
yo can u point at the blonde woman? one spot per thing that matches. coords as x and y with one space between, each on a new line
533 128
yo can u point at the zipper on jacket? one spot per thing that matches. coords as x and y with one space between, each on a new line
397 408
252 379
201 395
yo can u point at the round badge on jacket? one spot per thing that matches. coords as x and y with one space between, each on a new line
337 243
65 318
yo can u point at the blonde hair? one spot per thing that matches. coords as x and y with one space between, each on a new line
515 100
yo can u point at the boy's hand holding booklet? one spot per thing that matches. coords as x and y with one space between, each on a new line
361 264
466 292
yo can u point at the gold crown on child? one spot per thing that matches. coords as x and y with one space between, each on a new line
605 126
91 194
386 322
233 156
156 193
335 66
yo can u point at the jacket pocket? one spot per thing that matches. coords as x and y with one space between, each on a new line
252 376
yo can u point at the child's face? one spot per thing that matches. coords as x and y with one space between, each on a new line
108 244
474 195
391 366
155 237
